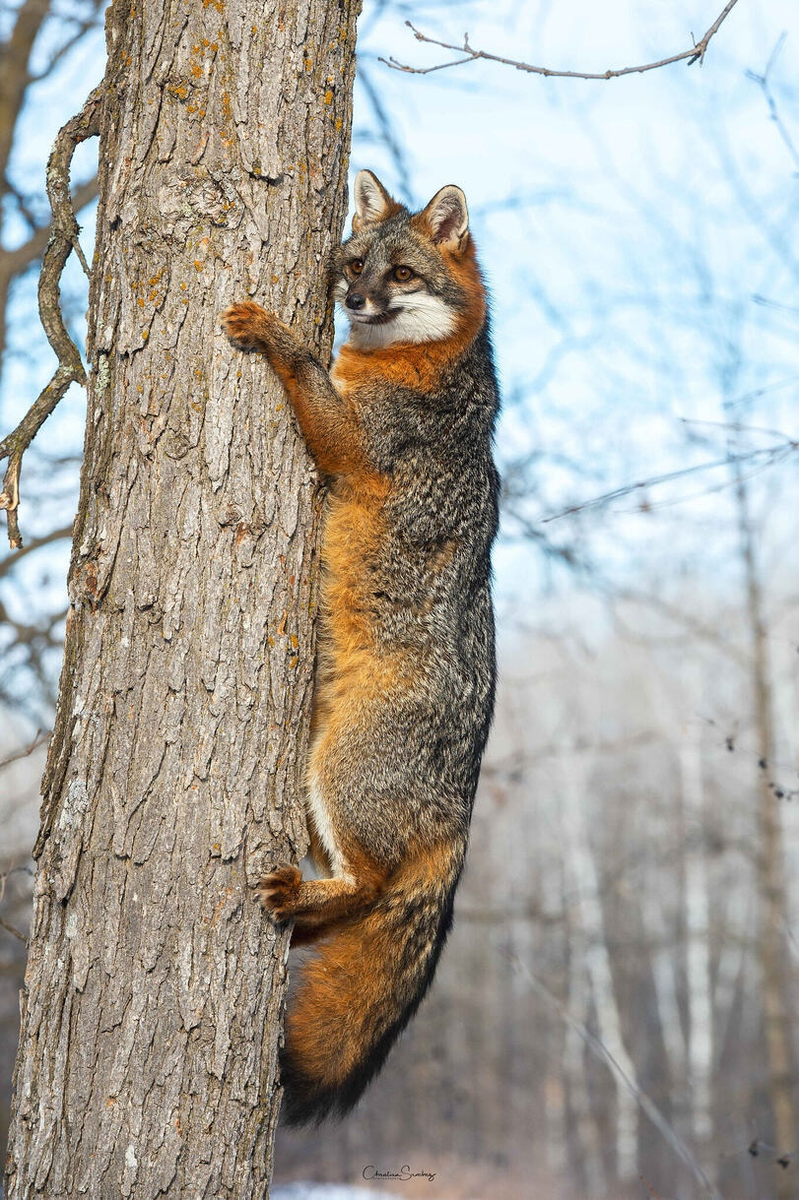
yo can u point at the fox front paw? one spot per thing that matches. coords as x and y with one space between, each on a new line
278 892
248 324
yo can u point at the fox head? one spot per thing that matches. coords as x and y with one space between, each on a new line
407 277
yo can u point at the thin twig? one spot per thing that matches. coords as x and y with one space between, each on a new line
763 83
15 261
387 129
81 28
8 563
38 741
63 240
766 456
12 929
14 932
695 53
6 875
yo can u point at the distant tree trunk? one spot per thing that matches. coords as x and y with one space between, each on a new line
773 946
15 76
583 884
151 1012
697 932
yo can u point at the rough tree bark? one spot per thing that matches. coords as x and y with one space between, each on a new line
151 1009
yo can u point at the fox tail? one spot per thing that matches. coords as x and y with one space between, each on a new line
360 989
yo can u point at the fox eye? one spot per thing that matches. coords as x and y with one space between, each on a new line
403 274
356 266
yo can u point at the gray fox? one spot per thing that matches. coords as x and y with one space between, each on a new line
404 690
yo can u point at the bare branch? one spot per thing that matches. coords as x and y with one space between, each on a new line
63 239
695 53
15 261
14 932
6 875
80 28
14 76
38 741
759 459
388 133
10 561
763 83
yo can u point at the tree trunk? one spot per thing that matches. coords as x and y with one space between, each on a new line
583 885
151 1011
776 976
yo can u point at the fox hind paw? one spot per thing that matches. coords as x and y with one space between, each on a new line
279 890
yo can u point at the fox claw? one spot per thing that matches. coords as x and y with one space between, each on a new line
278 892
244 323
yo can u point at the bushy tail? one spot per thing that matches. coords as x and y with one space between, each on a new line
360 989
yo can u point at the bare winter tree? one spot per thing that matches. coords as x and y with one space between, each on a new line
154 987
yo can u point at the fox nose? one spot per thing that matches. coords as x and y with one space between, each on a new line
356 301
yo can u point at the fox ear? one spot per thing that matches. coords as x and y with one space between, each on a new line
448 217
372 202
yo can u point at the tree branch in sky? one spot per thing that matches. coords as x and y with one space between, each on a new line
694 53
